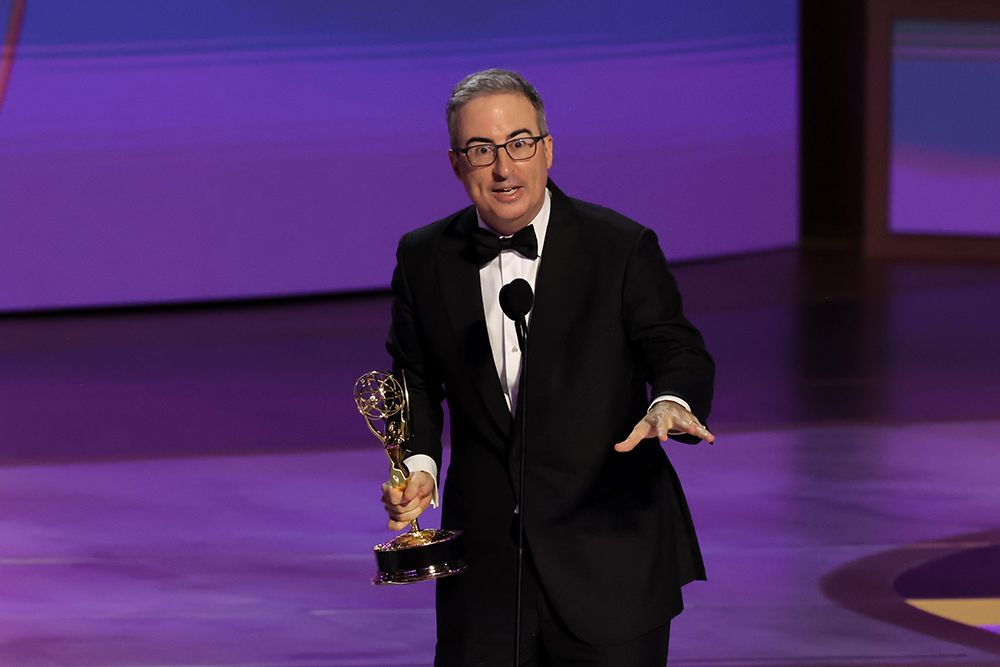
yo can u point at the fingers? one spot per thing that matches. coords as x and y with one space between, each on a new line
405 503
664 423
395 501
420 484
663 420
691 426
400 520
684 422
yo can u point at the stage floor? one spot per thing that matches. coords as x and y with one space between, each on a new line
192 486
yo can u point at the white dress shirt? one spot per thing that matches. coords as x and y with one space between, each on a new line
505 267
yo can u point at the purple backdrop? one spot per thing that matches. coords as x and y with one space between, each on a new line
945 165
148 155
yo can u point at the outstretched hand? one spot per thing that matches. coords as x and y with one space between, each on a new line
664 419
405 503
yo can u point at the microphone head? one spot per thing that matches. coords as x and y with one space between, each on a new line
516 298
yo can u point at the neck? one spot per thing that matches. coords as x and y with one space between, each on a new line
505 228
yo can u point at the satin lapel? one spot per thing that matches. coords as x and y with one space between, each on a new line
557 286
458 277
557 294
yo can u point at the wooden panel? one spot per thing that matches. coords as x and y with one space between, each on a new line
879 241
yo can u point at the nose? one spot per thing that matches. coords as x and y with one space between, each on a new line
501 166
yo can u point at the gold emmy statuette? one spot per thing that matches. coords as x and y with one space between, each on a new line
416 555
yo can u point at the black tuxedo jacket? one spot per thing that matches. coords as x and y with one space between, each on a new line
609 532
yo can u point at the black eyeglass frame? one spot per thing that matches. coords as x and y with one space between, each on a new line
496 150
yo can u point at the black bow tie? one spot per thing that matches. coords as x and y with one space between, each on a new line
488 245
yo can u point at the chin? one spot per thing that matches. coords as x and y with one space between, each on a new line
504 221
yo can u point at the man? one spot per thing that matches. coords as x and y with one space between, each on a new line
609 541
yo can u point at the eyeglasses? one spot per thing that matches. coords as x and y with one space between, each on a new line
519 149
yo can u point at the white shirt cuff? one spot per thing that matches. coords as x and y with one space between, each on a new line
422 462
666 397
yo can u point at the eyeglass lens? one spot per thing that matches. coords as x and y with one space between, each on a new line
517 149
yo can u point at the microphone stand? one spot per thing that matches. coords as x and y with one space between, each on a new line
516 299
521 327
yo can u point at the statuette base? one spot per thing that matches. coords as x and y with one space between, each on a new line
421 555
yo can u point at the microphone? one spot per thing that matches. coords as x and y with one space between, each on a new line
516 300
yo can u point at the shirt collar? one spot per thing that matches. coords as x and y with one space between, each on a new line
540 221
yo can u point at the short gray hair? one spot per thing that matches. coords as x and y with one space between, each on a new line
492 82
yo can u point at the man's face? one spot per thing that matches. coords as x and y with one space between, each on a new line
508 194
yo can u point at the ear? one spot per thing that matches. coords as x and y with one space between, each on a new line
547 147
455 165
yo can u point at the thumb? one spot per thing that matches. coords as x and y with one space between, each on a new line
391 493
634 438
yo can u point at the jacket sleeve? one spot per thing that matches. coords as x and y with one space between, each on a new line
409 358
670 349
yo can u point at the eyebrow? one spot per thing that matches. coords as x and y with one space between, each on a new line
483 140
